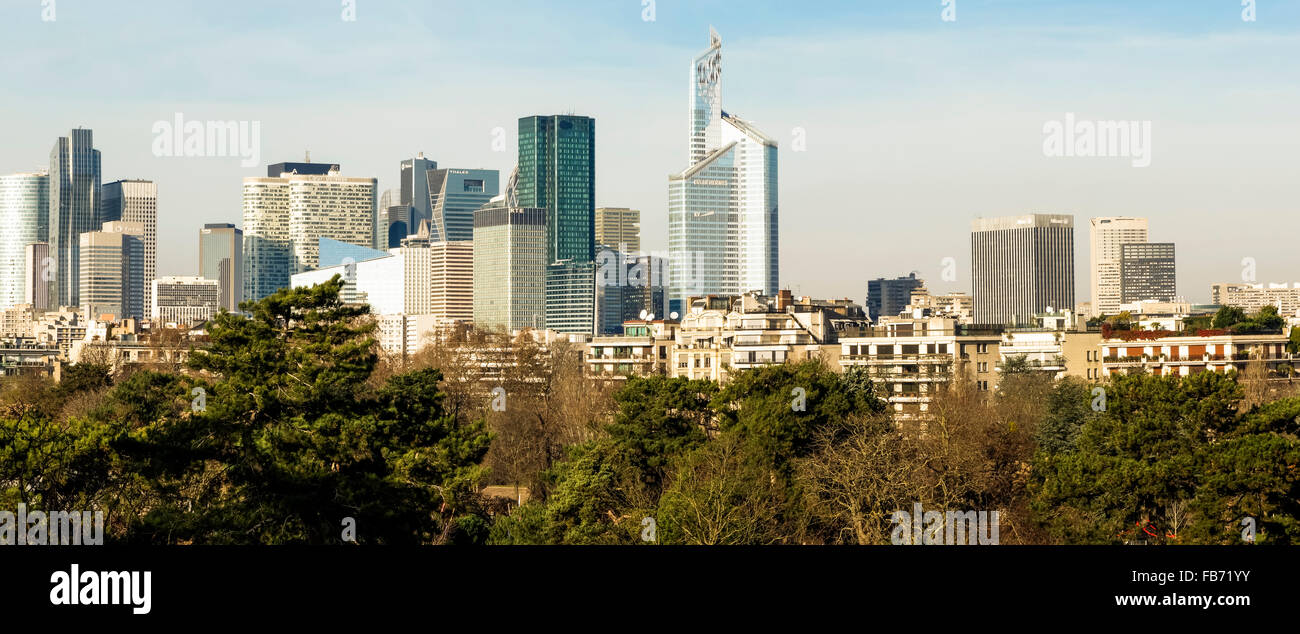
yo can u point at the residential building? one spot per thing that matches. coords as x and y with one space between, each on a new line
1147 272
1109 235
722 209
136 201
959 305
1020 266
888 298
509 267
914 358
1252 297
185 301
221 258
25 218
74 209
1127 352
644 348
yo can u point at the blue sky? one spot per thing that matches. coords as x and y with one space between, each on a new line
913 125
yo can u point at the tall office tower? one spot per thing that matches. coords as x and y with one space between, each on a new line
417 265
451 280
628 285
1147 272
221 258
24 220
1021 265
571 297
37 279
394 221
286 217
454 196
74 208
112 270
619 229
135 201
415 189
509 267
557 172
887 298
1109 235
184 301
306 168
722 210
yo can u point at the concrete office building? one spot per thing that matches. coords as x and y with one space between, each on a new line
185 301
111 279
887 298
1147 272
1021 266
509 267
619 228
136 201
1108 237
38 275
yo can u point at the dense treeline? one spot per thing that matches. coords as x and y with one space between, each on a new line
291 428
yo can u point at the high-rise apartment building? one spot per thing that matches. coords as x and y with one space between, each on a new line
1147 272
415 189
221 258
1251 297
509 267
135 201
24 220
111 277
285 218
887 298
1109 235
185 301
1021 266
454 196
722 210
74 208
619 228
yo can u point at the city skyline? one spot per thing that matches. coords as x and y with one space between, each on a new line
922 145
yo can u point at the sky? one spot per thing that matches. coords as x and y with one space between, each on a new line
897 127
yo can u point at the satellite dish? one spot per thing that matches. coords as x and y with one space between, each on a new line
650 317
643 314
674 315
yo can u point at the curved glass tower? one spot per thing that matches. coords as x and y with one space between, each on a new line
722 210
24 215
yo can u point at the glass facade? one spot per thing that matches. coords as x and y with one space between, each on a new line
415 190
24 216
557 172
221 259
74 208
722 210
454 195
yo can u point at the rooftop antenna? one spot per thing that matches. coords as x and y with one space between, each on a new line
308 159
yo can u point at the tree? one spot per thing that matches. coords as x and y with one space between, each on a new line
722 494
1228 316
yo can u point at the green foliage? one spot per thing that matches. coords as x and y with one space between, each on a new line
1228 316
1069 409
1171 461
1293 346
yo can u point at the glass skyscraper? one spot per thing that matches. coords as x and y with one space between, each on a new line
454 195
722 210
136 201
221 258
415 190
74 208
557 172
24 216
